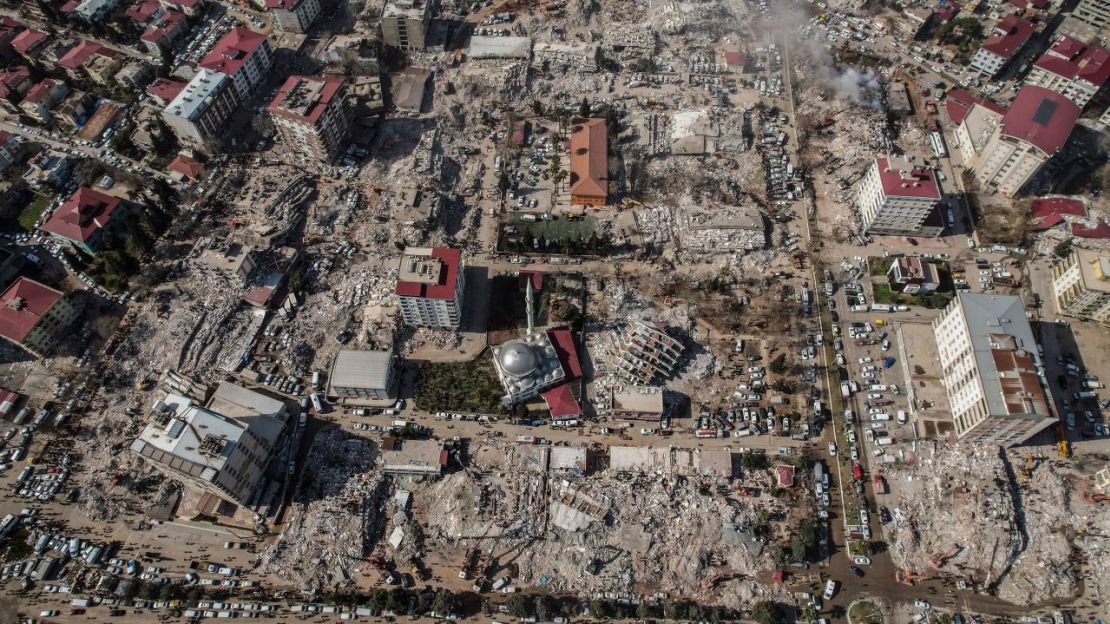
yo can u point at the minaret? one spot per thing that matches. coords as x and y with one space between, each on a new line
528 305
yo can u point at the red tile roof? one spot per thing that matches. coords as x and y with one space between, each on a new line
946 13
563 341
281 4
785 475
561 402
232 50
1009 34
315 109
444 288
143 11
10 81
535 276
1073 60
80 53
22 305
188 167
589 158
163 26
1056 206
918 182
39 91
4 136
1041 117
735 59
1101 229
27 40
165 89
85 212
1025 4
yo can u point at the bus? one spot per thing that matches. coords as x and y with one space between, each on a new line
938 144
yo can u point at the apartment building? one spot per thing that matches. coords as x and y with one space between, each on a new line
1034 128
647 352
11 149
163 32
991 371
198 113
1002 44
245 56
1094 13
1081 285
1072 68
295 16
414 458
223 447
430 285
83 218
311 115
36 316
405 23
92 60
897 197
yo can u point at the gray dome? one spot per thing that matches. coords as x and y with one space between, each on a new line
517 359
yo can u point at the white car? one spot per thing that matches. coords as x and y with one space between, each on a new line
862 561
922 604
865 360
832 448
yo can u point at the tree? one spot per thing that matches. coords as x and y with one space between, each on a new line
396 600
601 609
767 612
521 605
584 108
1063 248
778 365
545 608
537 108
808 614
503 183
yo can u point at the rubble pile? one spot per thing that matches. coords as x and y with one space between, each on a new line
335 520
964 511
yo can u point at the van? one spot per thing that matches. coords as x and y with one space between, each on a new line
884 441
830 589
902 418
1086 394
315 379
849 416
317 404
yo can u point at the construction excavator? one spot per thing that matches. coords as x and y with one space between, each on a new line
1062 444
937 561
909 578
1031 462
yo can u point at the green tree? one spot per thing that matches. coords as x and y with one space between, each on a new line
808 613
546 608
778 365
521 605
397 600
1063 248
584 108
445 603
767 612
503 183
601 609
537 108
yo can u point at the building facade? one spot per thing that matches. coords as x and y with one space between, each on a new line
1034 128
1081 285
245 56
35 316
647 352
430 287
1073 69
897 197
1004 41
405 23
83 218
295 16
198 114
1094 13
991 371
311 115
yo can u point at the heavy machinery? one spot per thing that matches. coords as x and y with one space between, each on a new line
628 202
909 578
1062 445
1026 471
938 561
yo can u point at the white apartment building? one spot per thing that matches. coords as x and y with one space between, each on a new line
295 16
245 56
992 373
1095 13
897 197
1035 127
1007 37
1072 68
198 114
1081 285
222 448
430 287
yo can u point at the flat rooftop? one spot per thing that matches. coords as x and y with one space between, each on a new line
1095 268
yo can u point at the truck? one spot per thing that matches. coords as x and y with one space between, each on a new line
525 439
1086 394
317 403
880 484
830 589
1093 384
888 362
881 307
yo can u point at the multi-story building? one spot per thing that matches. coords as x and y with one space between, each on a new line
198 114
163 32
311 115
223 447
11 148
405 23
35 316
589 162
42 98
1072 68
244 55
295 16
83 218
1005 40
1035 127
991 371
92 60
912 275
647 352
363 375
1094 13
430 287
897 197
414 458
1081 284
